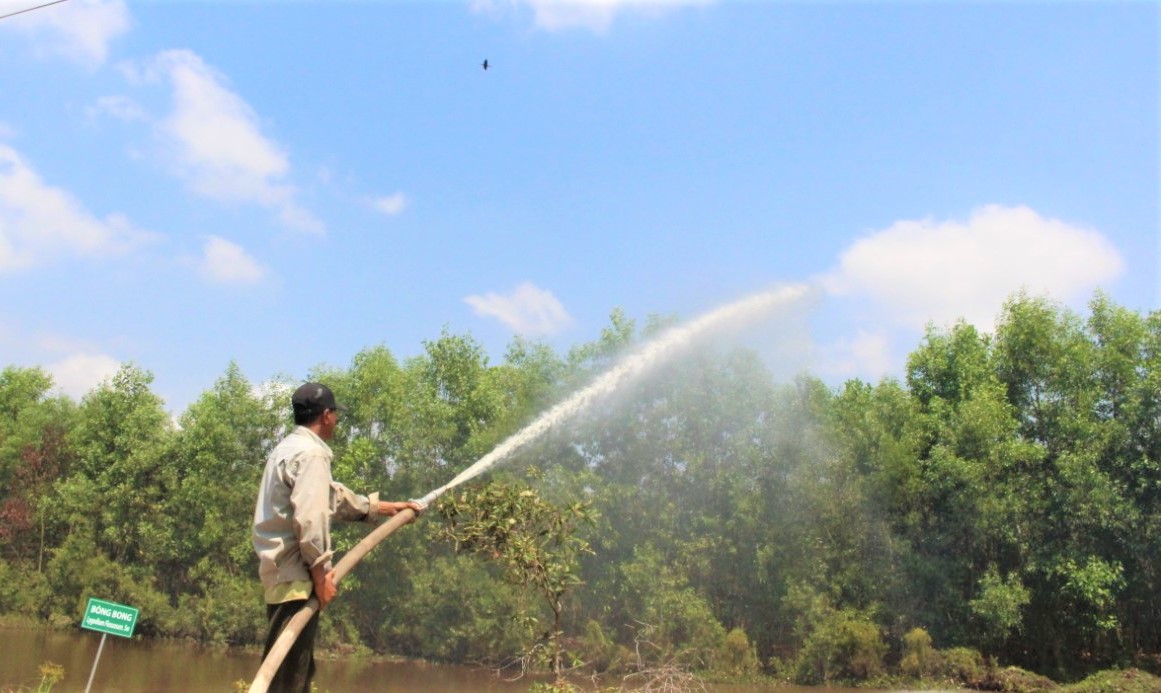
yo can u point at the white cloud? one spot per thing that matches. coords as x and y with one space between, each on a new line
527 310
119 107
79 373
916 272
228 263
595 15
80 30
868 354
390 204
217 145
39 222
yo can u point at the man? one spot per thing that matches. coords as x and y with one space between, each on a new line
296 502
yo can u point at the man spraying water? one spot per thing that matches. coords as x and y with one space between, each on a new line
292 537
656 351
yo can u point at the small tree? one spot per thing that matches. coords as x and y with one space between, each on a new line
837 644
846 646
998 610
737 657
533 540
920 659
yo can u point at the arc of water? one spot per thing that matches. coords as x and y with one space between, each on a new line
650 354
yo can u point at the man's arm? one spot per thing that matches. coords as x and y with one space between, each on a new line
390 508
352 507
324 585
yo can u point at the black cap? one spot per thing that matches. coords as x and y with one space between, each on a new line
313 399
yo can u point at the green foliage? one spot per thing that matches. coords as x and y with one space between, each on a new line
23 591
465 396
597 357
1117 681
998 608
221 611
1019 680
687 629
81 574
837 644
920 659
672 623
34 452
1092 588
737 658
51 674
949 367
10 601
1005 494
456 611
121 440
217 457
598 651
534 541
964 665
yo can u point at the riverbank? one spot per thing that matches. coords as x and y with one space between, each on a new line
1017 680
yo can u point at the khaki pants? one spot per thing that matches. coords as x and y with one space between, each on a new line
297 670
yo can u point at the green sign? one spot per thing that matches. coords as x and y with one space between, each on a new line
111 618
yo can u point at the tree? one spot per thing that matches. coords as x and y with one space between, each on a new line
122 436
34 454
218 454
114 507
534 542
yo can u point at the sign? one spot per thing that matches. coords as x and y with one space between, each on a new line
111 618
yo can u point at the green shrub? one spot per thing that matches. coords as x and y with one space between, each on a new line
844 646
458 611
998 610
24 592
919 659
51 673
598 652
1019 680
686 624
737 658
8 588
675 623
227 611
964 665
1118 681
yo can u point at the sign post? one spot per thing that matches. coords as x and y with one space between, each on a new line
107 618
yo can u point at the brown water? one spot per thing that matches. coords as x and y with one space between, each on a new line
139 666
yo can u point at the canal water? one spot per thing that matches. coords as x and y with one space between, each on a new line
140 666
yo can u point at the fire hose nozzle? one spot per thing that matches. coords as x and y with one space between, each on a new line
427 500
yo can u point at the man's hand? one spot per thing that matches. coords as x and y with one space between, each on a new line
390 508
325 588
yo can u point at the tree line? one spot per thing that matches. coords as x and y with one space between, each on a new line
1002 500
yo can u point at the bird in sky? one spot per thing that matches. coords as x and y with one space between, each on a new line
485 64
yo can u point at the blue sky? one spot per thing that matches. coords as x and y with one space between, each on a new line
284 184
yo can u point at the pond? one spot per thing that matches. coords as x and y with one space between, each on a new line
139 666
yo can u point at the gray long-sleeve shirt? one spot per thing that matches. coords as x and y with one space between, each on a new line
296 502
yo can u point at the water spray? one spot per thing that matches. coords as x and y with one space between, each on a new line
735 314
